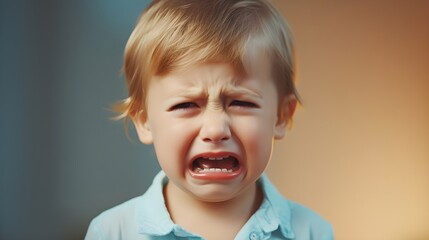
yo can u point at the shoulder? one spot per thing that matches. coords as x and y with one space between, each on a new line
307 222
126 221
115 222
294 217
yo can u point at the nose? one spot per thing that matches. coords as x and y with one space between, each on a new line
215 127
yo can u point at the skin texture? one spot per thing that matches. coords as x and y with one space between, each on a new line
210 111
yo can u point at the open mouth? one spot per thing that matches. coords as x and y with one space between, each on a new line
225 164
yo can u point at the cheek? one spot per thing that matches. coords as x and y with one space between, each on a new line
256 135
172 140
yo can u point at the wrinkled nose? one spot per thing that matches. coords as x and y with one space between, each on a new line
215 128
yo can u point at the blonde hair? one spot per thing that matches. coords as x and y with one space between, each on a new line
175 34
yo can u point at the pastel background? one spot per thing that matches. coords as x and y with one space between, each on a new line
358 152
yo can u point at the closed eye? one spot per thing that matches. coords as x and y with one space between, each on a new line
239 103
183 106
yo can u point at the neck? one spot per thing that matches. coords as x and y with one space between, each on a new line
212 220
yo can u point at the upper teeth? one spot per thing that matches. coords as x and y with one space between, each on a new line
217 158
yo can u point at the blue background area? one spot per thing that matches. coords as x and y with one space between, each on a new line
62 160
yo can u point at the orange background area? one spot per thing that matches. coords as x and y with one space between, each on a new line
358 152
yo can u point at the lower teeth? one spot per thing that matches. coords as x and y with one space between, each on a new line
212 170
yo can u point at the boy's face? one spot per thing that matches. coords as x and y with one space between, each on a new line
212 131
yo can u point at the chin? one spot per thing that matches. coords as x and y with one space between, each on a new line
217 193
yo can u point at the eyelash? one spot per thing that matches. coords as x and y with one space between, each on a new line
245 104
183 106
234 103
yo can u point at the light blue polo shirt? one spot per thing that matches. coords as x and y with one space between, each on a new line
146 217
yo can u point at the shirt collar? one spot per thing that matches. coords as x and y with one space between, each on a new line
274 212
153 218
151 212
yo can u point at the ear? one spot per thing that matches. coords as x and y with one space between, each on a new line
143 129
285 113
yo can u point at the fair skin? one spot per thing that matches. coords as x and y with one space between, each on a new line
213 133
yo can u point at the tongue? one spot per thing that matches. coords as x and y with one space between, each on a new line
228 163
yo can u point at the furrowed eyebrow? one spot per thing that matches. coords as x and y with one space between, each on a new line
239 91
191 93
226 90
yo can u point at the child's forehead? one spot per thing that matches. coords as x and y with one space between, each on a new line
202 74
201 71
221 73
207 79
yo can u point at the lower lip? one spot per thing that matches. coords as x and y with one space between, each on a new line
216 175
